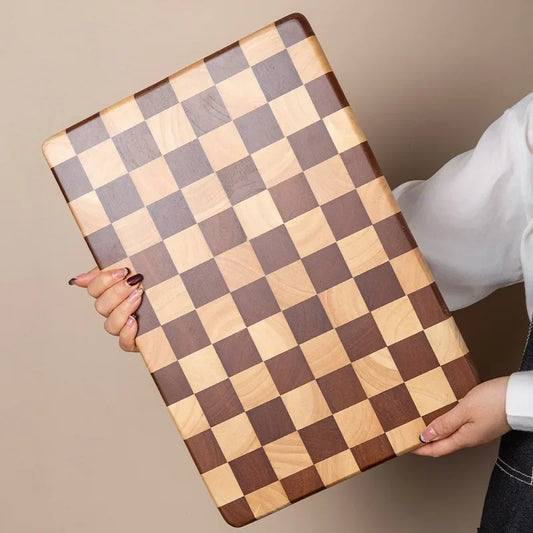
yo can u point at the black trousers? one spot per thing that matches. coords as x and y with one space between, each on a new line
508 506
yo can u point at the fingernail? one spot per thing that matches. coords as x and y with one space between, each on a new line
120 273
131 320
133 280
71 281
135 294
427 435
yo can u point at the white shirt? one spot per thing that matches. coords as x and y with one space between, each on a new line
473 222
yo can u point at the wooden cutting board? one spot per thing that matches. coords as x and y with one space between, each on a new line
289 321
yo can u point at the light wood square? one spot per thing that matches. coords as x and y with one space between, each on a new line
309 59
121 116
262 44
89 213
358 423
336 468
412 271
223 146
222 485
170 299
306 405
254 386
171 128
189 417
154 181
329 179
220 318
377 372
378 199
397 320
121 263
239 266
446 341
267 499
310 232
430 391
344 129
294 110
288 455
206 197
102 163
363 251
188 248
325 353
155 348
258 214
203 369
291 285
137 231
241 93
272 336
191 80
236 437
57 149
405 438
276 162
343 303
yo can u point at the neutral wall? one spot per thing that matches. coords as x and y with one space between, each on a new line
86 444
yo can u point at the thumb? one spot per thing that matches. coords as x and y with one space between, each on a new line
444 425
82 280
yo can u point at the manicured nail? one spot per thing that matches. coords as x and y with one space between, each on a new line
71 281
120 273
131 320
133 280
427 435
135 294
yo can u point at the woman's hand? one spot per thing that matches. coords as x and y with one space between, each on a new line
478 418
117 298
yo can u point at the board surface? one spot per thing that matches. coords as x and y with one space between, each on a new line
289 320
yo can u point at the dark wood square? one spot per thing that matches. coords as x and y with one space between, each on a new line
253 471
271 421
72 179
341 388
323 439
274 249
87 133
326 94
241 180
346 215
413 356
258 128
293 197
255 301
429 305
373 452
307 319
394 407
205 451
361 164
379 286
237 352
289 370
171 214
119 198
136 146
302 484
312 145
226 62
326 268
276 75
156 98
155 264
461 373
293 29
186 334
105 246
172 383
237 513
204 283
222 231
188 163
395 235
146 317
361 337
206 111
219 402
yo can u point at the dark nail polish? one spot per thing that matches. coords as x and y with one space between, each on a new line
71 281
133 280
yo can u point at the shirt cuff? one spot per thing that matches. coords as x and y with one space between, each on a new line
519 401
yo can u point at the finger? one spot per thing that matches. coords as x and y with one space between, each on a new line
118 317
444 425
126 338
106 279
82 280
116 294
446 445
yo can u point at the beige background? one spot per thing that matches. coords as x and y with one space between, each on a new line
86 444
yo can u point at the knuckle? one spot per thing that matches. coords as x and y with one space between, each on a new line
108 326
99 307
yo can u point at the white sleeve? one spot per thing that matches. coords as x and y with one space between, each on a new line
473 222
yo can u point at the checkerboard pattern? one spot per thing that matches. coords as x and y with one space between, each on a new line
289 320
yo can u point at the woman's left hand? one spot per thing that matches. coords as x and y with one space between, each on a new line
478 418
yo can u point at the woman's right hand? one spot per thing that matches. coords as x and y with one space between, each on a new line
117 297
